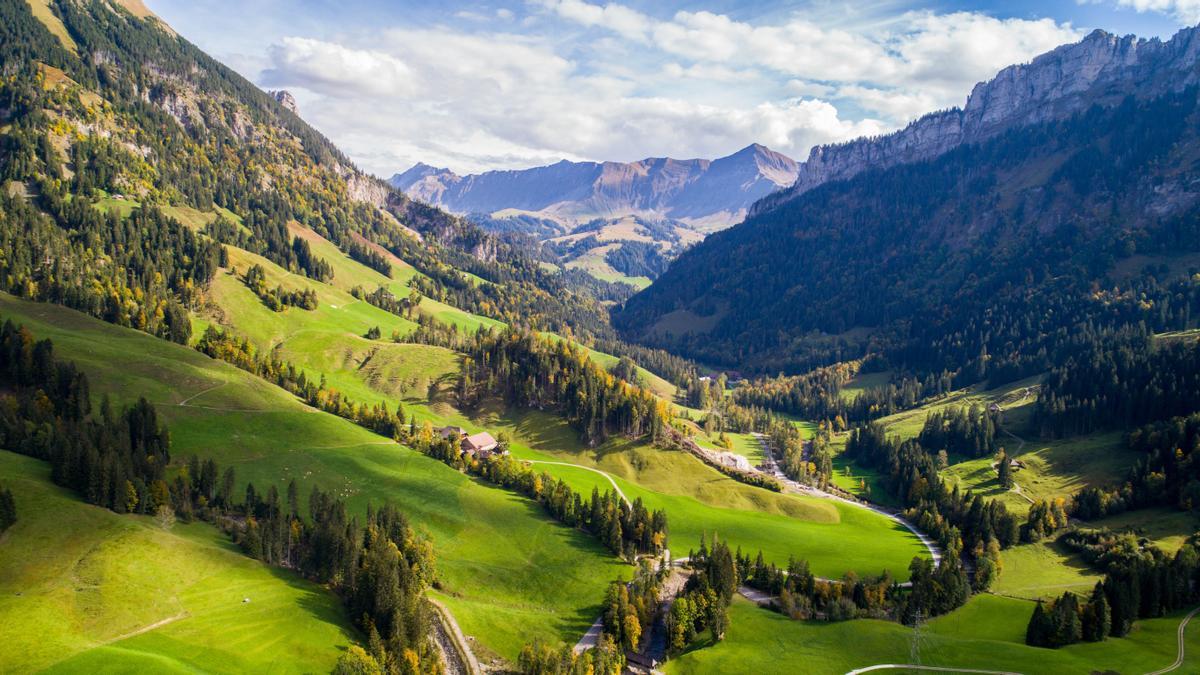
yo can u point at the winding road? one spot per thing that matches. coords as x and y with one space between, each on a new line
939 669
934 552
586 468
1181 646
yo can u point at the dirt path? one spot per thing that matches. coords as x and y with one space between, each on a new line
1182 647
1016 488
451 642
201 393
591 638
147 629
586 468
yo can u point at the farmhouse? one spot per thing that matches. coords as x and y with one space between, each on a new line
449 433
480 445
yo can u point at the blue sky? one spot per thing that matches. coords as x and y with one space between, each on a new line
488 85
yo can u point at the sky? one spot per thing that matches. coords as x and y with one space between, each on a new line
476 86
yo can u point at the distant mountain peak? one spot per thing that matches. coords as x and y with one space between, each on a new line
716 192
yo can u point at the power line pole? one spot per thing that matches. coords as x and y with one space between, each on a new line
914 645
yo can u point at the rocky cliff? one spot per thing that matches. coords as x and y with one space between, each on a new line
1100 69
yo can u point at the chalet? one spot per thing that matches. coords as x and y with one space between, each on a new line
480 445
450 433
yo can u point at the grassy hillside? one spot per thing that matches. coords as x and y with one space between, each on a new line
508 572
1052 468
987 633
698 499
83 589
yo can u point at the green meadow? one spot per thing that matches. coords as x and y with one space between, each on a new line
987 633
85 590
508 572
698 500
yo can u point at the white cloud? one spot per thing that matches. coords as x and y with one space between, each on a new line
1186 11
619 18
330 68
697 84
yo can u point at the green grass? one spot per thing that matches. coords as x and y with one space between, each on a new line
745 445
77 580
1052 469
1166 528
987 633
594 263
1043 570
509 573
834 537
863 381
699 500
863 483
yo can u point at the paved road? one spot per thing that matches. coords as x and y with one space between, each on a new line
586 468
906 666
591 638
930 544
1179 637
452 643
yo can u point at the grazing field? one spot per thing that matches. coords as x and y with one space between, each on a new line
698 499
987 633
863 381
1165 527
861 482
508 572
833 536
1043 570
594 263
1051 469
83 589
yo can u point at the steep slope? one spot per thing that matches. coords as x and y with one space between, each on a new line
1101 69
696 191
83 587
977 256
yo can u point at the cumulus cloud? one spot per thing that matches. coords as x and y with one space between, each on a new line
330 68
1185 11
696 84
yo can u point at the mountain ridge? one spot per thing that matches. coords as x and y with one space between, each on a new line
713 192
1101 68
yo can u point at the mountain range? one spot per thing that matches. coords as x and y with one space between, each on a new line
1099 70
705 194
1078 167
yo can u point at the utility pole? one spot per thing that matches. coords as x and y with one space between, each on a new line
914 645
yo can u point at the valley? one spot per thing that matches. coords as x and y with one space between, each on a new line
928 400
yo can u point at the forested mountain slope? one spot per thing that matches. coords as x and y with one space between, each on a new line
974 261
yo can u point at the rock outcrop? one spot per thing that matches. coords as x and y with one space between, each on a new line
1100 69
285 99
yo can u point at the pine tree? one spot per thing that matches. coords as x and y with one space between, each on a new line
1004 470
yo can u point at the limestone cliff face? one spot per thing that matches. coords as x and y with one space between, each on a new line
1100 69
285 99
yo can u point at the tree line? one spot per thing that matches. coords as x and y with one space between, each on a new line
119 461
1140 581
625 528
277 299
960 522
1120 379
532 371
8 509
